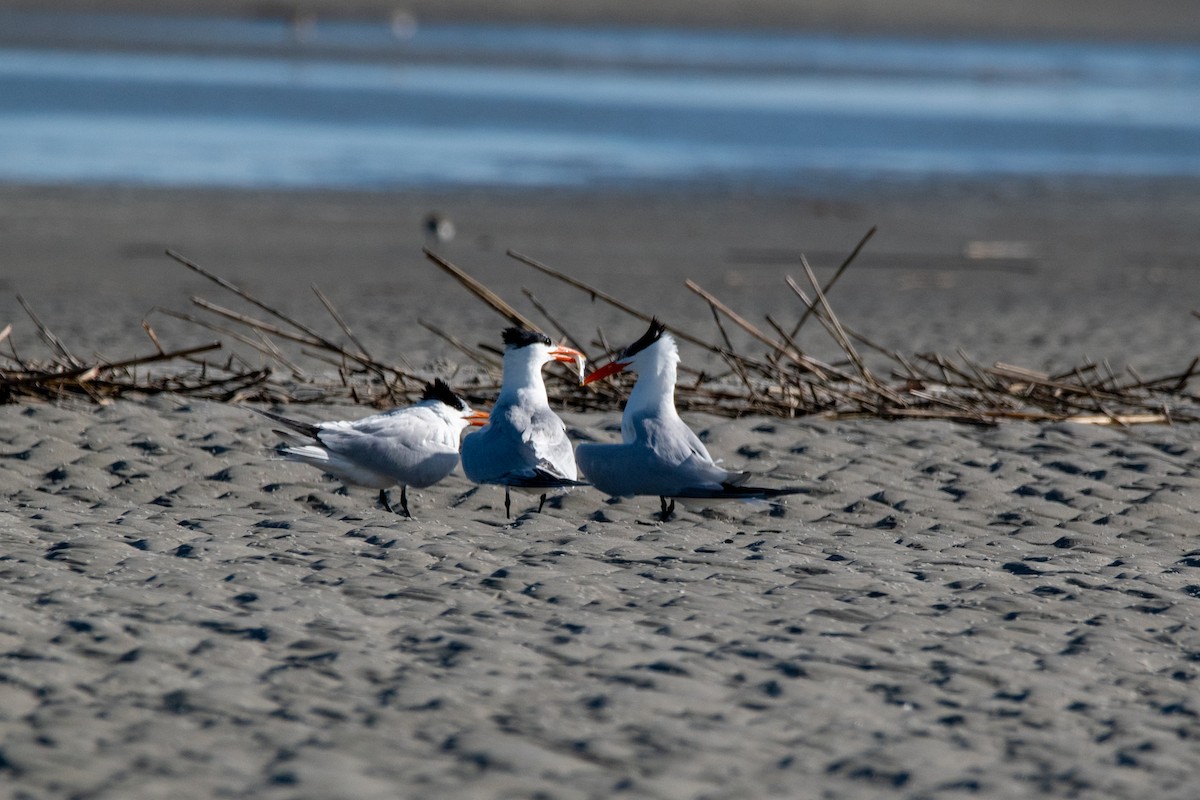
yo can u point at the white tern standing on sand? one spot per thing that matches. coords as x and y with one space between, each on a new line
525 444
413 446
659 453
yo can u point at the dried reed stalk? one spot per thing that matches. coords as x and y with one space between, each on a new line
784 381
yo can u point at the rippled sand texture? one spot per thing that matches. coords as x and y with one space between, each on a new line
950 611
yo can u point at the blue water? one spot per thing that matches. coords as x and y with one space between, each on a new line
260 103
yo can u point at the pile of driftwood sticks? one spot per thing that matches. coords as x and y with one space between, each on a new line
780 380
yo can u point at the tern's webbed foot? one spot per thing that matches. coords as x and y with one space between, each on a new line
385 502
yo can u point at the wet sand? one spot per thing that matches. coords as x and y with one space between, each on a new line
948 611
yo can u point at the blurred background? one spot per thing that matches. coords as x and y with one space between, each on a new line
371 95
1031 165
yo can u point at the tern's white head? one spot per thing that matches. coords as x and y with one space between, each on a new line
441 399
526 352
655 354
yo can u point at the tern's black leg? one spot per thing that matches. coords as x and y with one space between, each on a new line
383 500
404 501
507 504
542 503
667 511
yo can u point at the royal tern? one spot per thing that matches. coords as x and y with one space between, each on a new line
659 453
413 446
525 444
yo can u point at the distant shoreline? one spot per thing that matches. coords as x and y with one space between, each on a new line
1167 21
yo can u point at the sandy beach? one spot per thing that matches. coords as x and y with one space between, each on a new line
950 612
946 611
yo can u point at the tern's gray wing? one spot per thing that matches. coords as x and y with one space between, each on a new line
665 458
548 440
674 445
493 452
625 470
665 434
519 445
413 446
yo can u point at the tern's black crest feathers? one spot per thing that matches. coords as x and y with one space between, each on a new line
440 390
522 337
652 335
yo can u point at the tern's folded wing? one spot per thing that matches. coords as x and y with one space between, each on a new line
414 450
624 470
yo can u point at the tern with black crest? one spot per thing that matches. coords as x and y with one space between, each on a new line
659 454
413 446
524 445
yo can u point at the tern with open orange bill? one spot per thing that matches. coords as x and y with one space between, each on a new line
659 454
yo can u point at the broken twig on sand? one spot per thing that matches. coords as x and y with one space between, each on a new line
784 381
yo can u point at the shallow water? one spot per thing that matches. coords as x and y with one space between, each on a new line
264 103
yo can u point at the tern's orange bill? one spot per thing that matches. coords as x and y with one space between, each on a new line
611 368
571 356
478 418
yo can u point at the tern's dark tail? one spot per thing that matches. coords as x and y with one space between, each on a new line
730 491
302 427
541 479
